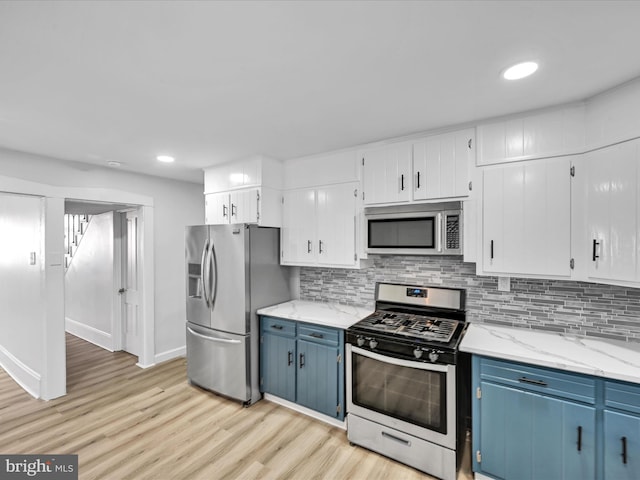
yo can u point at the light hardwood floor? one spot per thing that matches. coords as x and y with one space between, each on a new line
129 423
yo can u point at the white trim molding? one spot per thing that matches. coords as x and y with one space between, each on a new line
88 333
22 374
170 354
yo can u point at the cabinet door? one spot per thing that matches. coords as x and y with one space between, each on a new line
387 174
526 215
244 206
621 446
336 228
529 436
298 233
278 366
217 208
441 166
612 212
317 382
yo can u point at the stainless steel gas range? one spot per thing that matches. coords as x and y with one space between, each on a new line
407 383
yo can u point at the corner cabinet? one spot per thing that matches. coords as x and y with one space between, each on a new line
534 422
526 218
319 226
302 363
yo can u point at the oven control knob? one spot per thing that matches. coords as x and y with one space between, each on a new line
433 356
373 343
417 353
360 341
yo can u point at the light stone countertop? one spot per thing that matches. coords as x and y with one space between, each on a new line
593 356
334 315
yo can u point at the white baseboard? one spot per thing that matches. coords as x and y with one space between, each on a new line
90 334
307 411
170 354
23 375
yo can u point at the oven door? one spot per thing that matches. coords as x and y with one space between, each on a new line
413 397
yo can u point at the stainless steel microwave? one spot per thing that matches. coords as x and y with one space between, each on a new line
416 229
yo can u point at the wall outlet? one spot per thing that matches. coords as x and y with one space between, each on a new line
504 284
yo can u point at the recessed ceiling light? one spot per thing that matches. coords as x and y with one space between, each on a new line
113 163
165 159
520 70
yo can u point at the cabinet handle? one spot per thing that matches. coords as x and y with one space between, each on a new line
308 246
289 358
316 335
491 249
301 360
224 210
319 246
540 383
418 181
580 439
277 327
595 248
624 450
234 210
402 182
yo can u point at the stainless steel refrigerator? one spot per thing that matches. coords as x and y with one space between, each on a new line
232 271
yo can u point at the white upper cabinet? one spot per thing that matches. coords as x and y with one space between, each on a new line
527 219
441 165
256 171
537 135
387 175
246 191
319 226
612 213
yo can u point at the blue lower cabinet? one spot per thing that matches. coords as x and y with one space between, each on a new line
317 386
621 446
524 435
529 436
302 363
278 366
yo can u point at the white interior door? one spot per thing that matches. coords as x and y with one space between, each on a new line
132 338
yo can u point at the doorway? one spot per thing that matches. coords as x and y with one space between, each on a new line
103 280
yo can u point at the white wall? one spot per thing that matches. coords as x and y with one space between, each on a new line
88 284
175 204
21 293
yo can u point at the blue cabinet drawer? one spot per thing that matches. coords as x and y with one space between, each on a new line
539 379
318 334
623 396
278 326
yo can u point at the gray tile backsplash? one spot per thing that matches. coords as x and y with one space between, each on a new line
586 309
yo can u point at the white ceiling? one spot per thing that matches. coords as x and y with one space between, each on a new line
215 81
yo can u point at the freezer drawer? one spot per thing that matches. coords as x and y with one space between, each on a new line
219 362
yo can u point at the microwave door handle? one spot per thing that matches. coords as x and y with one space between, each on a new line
439 230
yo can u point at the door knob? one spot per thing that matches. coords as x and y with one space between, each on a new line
122 290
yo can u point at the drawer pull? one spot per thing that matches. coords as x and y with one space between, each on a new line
624 450
301 360
540 383
289 358
316 335
277 327
397 439
579 439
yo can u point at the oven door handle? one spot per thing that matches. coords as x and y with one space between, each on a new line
400 362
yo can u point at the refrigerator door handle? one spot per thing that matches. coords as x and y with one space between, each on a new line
204 273
213 339
213 265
